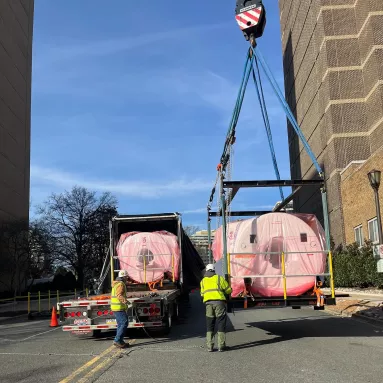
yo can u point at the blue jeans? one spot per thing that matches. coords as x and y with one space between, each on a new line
122 321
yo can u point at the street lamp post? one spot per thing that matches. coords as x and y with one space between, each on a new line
374 178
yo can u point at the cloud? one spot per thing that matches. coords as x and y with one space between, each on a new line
142 189
117 45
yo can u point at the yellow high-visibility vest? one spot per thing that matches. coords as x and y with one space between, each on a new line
214 288
115 304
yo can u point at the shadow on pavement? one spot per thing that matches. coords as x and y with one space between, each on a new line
308 327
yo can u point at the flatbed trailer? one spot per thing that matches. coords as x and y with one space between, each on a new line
147 308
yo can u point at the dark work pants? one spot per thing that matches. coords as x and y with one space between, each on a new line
216 313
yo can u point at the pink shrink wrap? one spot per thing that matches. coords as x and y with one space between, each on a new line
153 254
300 236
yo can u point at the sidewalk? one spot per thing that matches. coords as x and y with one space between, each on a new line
365 304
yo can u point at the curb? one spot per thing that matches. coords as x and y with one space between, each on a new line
353 293
2 319
43 314
362 317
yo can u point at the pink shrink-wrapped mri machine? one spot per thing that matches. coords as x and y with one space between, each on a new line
147 256
274 233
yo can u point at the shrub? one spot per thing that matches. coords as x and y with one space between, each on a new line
356 267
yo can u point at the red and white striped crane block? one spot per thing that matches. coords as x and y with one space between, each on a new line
249 18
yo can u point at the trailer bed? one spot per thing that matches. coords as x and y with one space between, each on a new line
146 309
278 302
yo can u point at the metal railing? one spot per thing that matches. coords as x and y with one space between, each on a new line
39 301
284 276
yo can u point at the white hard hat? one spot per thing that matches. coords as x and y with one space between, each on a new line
122 273
210 267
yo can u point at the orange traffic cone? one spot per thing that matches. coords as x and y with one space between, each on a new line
54 322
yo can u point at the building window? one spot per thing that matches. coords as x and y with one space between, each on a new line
359 235
373 230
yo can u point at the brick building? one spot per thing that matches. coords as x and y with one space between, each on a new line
333 65
16 27
359 211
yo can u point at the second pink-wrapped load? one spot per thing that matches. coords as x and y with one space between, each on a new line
300 236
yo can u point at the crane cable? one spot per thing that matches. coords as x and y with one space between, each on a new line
261 98
237 109
287 109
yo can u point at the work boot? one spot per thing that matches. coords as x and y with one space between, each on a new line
210 348
222 349
120 344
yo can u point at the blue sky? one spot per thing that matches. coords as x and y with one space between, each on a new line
136 99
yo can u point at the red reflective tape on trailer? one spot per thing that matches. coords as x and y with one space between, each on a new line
84 304
66 304
83 327
102 302
157 323
138 325
102 326
67 328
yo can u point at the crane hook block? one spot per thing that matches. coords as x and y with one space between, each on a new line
251 17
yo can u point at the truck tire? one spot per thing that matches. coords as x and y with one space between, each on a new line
175 313
167 324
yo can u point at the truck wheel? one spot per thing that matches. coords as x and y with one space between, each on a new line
175 311
167 324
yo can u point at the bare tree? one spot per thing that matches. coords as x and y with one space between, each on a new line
42 247
14 254
25 253
190 230
78 222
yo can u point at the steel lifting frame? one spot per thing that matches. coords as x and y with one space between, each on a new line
236 185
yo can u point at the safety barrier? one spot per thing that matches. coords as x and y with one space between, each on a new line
38 302
284 276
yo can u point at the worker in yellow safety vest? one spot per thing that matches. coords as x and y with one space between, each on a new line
214 290
119 305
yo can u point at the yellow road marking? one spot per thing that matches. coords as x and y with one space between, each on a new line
104 363
86 365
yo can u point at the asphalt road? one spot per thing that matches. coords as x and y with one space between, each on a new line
278 345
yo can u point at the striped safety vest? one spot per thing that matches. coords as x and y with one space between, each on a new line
115 304
214 288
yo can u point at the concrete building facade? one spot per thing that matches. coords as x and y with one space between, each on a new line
16 28
201 243
333 66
